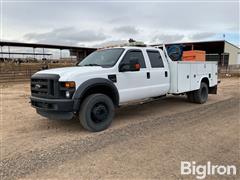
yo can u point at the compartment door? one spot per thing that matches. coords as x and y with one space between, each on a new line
214 74
184 82
194 84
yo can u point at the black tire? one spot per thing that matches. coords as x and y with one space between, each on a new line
96 112
201 95
190 96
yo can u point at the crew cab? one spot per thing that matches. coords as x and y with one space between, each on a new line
110 77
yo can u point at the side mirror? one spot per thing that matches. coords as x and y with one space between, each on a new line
133 65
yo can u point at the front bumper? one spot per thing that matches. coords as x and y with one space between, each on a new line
54 108
65 105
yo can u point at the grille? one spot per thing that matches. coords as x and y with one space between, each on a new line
45 87
42 87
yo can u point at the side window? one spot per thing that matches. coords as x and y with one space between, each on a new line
133 54
155 59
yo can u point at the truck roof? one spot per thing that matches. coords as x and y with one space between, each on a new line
136 47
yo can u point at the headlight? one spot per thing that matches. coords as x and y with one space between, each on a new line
68 95
67 89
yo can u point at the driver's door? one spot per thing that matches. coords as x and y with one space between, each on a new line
132 85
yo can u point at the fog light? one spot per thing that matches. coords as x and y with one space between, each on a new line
68 94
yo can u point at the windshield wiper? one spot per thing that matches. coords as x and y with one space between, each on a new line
91 65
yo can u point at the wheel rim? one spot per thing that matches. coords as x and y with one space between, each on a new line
99 112
204 93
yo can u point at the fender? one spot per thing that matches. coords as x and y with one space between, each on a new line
84 87
211 89
204 79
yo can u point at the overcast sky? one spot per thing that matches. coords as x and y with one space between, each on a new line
98 23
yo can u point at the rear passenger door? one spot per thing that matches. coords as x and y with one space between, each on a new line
159 73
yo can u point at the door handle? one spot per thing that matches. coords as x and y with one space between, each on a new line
166 74
148 75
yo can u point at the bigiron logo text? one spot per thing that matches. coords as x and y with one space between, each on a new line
201 171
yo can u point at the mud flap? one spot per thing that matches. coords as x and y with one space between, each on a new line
212 90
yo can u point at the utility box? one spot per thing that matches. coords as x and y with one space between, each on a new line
194 55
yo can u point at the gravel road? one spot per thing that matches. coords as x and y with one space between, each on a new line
146 141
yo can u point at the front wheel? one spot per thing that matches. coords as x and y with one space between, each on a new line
97 112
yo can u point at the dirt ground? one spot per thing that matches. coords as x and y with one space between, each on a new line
146 140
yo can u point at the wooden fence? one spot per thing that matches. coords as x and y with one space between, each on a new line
22 72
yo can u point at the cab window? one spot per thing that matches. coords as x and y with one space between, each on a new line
155 59
134 54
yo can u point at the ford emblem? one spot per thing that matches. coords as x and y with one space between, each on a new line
37 86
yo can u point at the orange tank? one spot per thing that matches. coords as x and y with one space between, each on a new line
194 55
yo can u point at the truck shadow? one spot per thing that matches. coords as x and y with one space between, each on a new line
151 108
128 113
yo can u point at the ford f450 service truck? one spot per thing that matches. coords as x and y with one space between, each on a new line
109 77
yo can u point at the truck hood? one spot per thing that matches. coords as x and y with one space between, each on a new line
68 73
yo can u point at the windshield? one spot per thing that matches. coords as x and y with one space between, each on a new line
104 58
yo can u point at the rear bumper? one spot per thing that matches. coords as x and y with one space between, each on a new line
53 108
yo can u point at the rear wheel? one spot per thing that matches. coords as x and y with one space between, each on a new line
201 95
97 112
190 96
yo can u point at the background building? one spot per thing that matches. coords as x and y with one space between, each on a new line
222 51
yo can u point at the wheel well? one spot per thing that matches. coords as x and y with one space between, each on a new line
205 80
103 89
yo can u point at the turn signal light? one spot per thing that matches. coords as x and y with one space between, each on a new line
69 84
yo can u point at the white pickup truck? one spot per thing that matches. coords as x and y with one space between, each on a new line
109 77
